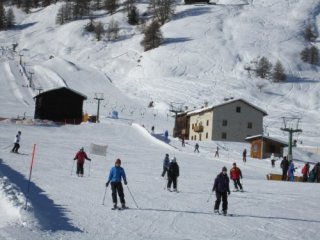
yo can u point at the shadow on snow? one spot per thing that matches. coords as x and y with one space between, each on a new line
51 217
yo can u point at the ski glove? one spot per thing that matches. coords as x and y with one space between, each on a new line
125 182
107 184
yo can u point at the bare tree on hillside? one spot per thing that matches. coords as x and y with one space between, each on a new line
99 31
112 30
162 9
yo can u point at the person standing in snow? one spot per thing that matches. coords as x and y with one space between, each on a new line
272 160
244 155
196 148
222 189
291 170
16 142
235 175
166 164
116 174
166 135
81 156
152 129
173 174
305 172
284 165
182 141
217 152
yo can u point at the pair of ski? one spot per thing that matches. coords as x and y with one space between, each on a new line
237 190
119 208
223 214
176 191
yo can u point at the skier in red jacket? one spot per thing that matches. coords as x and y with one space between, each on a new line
81 156
235 175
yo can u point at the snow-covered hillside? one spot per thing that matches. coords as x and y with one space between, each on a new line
203 56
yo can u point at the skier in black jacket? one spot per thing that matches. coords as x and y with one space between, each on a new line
222 189
173 174
284 165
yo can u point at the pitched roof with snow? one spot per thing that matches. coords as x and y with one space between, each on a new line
209 108
248 139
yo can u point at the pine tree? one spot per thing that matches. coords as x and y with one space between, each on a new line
263 69
133 16
152 36
111 5
278 74
310 55
309 34
10 18
26 5
314 55
2 17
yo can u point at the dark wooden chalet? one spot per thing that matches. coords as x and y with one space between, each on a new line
264 146
182 125
60 105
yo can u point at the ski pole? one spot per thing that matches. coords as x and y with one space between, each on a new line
165 184
132 197
7 146
72 168
104 196
210 196
89 168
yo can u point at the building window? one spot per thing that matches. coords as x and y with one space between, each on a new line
191 138
224 122
238 109
224 135
192 126
207 122
207 135
250 125
195 137
255 147
200 137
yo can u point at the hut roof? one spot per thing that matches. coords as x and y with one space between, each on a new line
59 89
252 138
209 108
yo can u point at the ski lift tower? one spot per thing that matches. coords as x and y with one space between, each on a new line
291 125
175 108
99 97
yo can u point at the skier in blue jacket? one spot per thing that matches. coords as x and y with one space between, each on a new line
166 164
116 174
291 171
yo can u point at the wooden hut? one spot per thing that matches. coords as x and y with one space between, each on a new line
264 146
182 125
60 105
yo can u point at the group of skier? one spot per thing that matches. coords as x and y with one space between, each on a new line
220 186
171 168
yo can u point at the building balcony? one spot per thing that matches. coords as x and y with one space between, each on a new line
198 128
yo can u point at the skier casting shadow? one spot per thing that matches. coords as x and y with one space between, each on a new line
222 189
173 174
116 174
